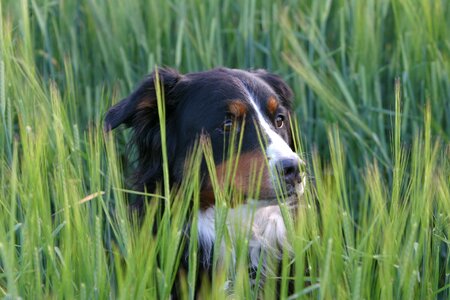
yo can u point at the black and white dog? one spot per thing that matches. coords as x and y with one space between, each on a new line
215 102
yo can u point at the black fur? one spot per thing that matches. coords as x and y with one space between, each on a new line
195 103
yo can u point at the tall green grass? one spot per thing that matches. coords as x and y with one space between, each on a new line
372 99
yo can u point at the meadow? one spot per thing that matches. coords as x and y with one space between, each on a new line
372 99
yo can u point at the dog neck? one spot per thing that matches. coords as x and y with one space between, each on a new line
260 221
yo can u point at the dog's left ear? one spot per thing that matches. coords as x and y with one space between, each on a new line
141 105
280 87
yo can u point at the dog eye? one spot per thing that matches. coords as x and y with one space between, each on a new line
279 121
228 125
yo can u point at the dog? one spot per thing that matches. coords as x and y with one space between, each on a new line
254 103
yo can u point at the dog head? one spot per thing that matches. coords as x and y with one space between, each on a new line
218 103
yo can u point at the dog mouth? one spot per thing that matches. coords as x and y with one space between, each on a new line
289 192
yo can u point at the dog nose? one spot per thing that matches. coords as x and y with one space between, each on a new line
291 170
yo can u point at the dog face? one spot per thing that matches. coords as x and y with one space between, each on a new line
255 105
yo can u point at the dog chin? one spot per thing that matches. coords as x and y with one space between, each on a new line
291 197
292 193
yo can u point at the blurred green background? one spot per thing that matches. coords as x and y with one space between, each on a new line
63 63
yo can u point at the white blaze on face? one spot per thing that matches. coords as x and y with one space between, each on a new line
277 148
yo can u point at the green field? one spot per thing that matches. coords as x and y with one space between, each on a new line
372 97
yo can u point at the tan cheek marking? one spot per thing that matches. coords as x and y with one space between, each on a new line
249 163
272 105
207 198
250 166
237 107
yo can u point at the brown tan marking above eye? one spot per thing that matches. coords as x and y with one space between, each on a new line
237 107
272 105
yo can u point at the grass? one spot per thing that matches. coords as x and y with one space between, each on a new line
372 87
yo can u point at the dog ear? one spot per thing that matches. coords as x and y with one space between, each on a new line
142 102
280 87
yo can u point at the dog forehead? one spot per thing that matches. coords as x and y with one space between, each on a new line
218 86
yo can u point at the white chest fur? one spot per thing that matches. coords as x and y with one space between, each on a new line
261 221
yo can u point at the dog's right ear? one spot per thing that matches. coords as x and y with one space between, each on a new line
142 103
